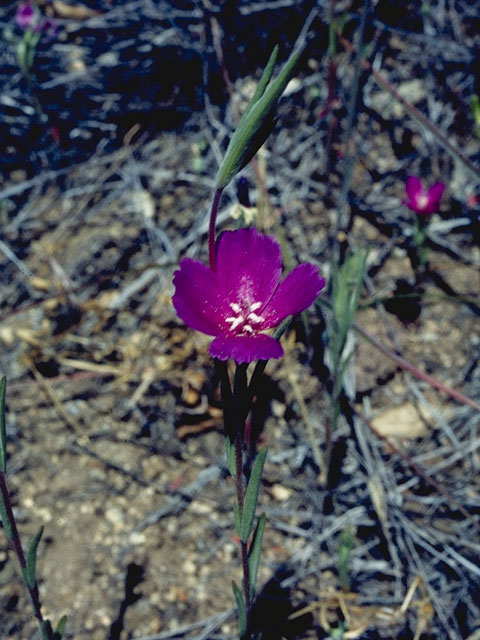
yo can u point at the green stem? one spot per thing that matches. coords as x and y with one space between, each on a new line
420 245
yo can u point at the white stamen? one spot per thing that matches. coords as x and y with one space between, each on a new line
242 317
235 322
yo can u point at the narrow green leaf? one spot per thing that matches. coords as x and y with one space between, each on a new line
3 430
60 629
30 570
346 544
347 284
7 525
47 631
254 554
237 519
241 610
273 92
251 496
264 80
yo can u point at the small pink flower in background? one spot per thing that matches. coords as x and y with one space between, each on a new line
55 132
49 27
25 16
421 201
244 296
472 200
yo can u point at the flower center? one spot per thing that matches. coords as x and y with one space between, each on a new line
422 201
244 318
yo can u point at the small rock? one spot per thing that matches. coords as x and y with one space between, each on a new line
280 493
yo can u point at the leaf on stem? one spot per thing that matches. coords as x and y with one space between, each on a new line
251 496
47 631
254 554
347 284
264 80
237 519
241 610
30 571
60 629
7 525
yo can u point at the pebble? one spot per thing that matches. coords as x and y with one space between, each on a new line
280 493
189 567
136 538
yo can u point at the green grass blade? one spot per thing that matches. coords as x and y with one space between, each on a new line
241 610
254 554
30 571
7 526
237 519
60 628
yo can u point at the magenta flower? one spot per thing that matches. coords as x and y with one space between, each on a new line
28 17
50 27
421 201
244 295
25 16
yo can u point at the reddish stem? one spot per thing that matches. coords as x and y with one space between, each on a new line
17 545
211 228
11 519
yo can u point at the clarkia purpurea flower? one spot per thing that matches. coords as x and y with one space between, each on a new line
25 16
244 296
419 199
28 17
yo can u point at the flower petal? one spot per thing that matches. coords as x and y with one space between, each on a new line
246 348
294 294
248 265
24 15
413 187
435 194
196 298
